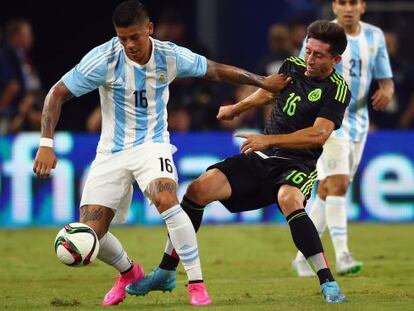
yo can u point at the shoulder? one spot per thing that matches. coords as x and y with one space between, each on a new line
371 29
165 47
292 65
295 61
110 47
338 86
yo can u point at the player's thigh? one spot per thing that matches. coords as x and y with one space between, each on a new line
155 171
290 199
109 184
97 217
335 158
244 184
213 185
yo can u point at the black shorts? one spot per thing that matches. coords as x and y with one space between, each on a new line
255 181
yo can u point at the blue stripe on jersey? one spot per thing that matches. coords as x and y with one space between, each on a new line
339 68
370 41
119 102
161 67
141 110
355 80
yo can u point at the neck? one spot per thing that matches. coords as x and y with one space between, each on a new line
145 58
352 30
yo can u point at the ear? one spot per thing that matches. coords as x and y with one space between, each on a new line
334 7
363 7
150 28
337 59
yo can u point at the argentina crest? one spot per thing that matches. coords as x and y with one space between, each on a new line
315 95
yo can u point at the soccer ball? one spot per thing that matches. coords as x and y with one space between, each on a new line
76 244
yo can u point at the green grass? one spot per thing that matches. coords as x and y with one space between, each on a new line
245 267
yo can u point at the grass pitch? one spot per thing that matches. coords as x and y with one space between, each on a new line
245 267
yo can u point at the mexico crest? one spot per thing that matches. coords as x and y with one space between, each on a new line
315 95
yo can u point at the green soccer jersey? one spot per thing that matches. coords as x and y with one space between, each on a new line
299 104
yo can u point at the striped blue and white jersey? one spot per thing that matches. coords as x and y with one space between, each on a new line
364 59
133 97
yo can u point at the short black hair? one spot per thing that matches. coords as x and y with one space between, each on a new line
128 13
331 33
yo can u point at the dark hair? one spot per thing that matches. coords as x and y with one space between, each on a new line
14 26
331 33
129 13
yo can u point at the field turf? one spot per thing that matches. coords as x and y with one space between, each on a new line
245 267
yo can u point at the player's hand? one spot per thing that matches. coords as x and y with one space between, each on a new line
226 113
44 162
381 99
276 82
254 142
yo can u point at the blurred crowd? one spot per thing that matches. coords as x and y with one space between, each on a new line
193 103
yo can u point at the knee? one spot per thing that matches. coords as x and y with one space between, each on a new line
289 202
197 191
164 201
99 228
337 187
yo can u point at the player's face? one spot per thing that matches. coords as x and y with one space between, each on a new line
348 12
319 61
136 42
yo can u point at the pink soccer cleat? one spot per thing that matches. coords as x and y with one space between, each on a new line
117 292
198 294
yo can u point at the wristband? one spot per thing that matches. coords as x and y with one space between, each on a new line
46 142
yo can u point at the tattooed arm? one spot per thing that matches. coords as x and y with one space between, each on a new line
227 73
45 157
57 95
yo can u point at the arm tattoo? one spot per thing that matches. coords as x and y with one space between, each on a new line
91 214
166 186
227 73
246 77
58 94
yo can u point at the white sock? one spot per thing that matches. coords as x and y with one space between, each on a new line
183 238
168 246
112 253
317 215
335 210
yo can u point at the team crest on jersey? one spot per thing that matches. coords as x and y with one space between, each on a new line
162 77
315 95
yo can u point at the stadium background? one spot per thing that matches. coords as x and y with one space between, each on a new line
383 190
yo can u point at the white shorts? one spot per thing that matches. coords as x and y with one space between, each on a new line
111 176
340 156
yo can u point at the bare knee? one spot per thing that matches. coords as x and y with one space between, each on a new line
165 201
337 185
290 199
211 186
322 189
197 192
97 217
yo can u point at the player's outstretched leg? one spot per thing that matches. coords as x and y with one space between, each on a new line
163 278
112 253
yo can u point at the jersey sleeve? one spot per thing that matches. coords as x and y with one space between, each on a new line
189 64
284 68
334 104
382 68
88 75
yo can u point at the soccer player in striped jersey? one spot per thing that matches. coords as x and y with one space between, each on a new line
282 167
365 58
132 72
